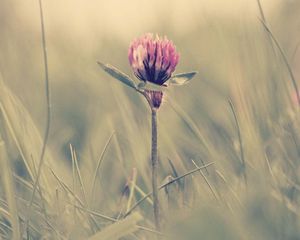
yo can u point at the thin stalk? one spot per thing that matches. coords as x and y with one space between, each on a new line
240 140
99 164
48 102
154 164
111 219
281 51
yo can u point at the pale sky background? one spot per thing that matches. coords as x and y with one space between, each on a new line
126 17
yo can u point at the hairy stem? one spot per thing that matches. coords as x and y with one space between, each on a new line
154 162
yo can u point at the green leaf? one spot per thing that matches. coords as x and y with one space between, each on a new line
117 74
182 78
151 86
141 85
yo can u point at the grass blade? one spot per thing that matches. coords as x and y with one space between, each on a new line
99 164
118 229
9 187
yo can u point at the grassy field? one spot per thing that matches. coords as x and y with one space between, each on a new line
239 118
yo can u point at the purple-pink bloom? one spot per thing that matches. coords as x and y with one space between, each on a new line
153 59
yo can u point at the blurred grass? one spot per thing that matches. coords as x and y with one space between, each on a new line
79 195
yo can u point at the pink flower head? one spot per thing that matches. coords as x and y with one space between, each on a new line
153 59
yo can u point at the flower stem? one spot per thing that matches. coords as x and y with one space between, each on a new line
154 161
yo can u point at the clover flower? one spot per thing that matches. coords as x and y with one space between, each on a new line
153 59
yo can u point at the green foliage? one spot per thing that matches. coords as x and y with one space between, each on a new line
182 78
151 86
117 74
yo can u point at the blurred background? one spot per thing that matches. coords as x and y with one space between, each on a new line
252 189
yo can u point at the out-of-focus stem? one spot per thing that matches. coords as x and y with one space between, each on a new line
48 120
154 162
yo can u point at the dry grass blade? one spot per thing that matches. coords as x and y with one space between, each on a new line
97 214
207 182
82 188
74 155
143 194
99 164
73 183
240 140
282 53
191 124
14 137
4 213
9 188
231 190
132 188
118 229
295 52
165 185
48 107
48 100
67 189
40 192
21 135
